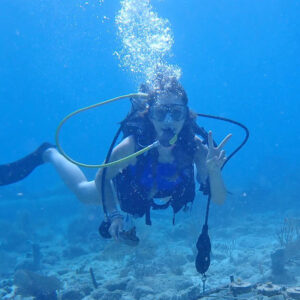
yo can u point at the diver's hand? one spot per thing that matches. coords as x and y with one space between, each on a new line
215 156
116 227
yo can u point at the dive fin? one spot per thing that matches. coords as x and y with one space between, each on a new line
18 170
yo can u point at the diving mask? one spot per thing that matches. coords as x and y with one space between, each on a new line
177 112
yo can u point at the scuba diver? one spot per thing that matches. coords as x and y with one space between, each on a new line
161 177
151 168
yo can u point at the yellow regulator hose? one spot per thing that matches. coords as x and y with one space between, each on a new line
135 95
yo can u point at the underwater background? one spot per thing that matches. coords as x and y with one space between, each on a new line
239 60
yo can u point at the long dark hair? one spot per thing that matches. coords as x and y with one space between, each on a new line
139 124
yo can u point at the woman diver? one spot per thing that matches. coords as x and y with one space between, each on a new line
165 172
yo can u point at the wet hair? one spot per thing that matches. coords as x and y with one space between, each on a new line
162 85
145 134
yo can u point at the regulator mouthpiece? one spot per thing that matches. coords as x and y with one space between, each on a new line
168 138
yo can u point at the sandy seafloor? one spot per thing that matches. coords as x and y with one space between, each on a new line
160 267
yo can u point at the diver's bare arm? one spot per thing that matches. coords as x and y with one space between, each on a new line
109 199
214 162
200 156
125 148
217 186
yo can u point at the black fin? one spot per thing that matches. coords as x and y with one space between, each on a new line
17 170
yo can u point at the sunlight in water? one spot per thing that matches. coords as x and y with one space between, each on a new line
146 40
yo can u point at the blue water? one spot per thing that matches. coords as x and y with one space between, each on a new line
240 60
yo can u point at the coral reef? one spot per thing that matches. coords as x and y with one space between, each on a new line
33 284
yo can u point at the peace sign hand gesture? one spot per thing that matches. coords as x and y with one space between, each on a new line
215 156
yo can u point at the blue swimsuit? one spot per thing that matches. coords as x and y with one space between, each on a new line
165 179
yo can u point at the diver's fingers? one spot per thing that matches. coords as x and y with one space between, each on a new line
225 140
222 155
115 228
210 140
112 232
119 230
222 158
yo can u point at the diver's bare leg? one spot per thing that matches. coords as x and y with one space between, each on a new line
73 177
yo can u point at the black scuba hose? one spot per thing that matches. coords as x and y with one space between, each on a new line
229 156
104 169
203 244
233 122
